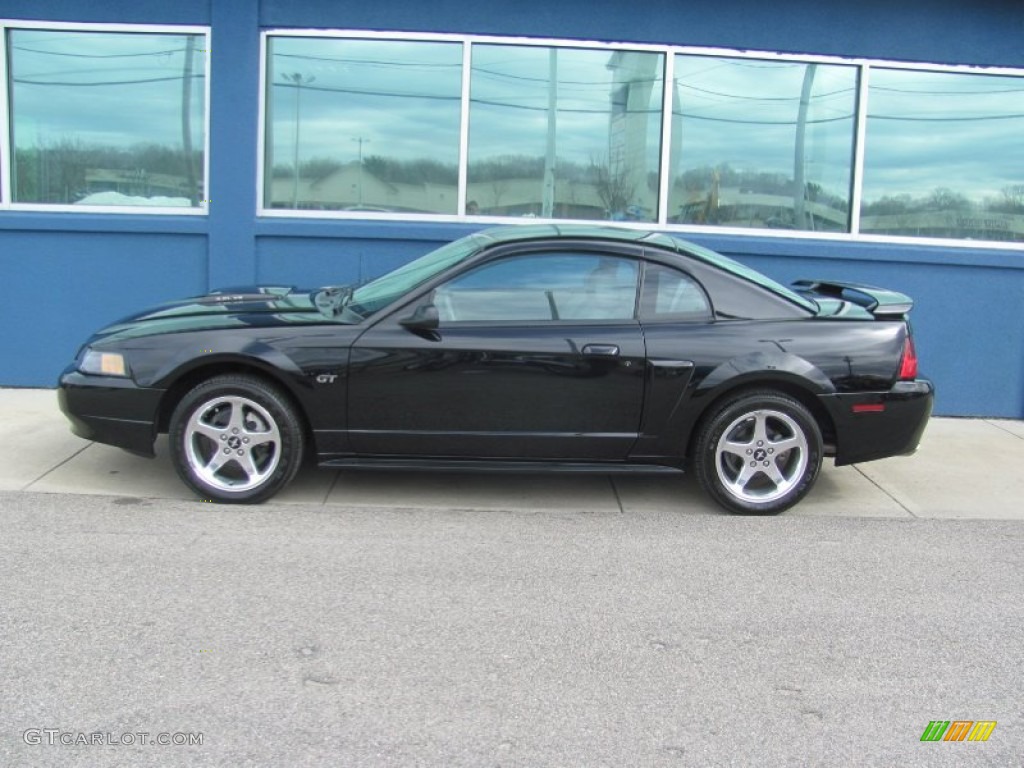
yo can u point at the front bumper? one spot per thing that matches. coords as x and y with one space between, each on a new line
110 410
877 425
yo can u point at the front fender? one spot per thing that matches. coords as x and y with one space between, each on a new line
163 370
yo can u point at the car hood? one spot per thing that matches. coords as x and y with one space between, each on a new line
252 305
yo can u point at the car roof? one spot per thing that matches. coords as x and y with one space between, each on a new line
515 233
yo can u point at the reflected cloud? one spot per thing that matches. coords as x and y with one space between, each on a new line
943 155
102 113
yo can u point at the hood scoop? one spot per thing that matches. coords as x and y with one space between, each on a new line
245 294
235 298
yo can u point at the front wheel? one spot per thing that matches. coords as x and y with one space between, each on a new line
236 439
759 454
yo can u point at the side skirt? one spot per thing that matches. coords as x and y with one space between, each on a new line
499 466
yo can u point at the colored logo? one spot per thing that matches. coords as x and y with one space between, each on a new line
958 730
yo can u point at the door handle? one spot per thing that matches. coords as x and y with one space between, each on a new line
601 350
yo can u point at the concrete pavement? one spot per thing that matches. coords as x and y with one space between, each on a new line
965 468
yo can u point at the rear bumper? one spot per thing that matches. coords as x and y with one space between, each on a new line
110 410
877 425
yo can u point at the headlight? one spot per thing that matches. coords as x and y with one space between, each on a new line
103 363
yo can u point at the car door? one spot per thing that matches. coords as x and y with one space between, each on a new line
681 337
535 354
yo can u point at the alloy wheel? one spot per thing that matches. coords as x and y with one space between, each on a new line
761 456
232 443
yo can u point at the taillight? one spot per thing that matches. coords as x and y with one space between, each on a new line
908 365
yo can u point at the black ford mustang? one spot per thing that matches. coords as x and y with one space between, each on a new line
568 348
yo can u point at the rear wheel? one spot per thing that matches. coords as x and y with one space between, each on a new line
236 439
759 454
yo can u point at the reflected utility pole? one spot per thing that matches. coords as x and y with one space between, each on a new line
186 121
298 80
361 141
550 154
799 161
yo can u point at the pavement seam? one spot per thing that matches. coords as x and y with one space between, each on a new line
615 492
57 466
330 488
1004 429
877 485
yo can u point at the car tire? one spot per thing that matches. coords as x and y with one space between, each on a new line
236 439
758 453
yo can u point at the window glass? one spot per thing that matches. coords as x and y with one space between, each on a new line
671 295
944 155
363 125
763 144
564 133
107 118
552 286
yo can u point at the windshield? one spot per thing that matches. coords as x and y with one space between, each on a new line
380 292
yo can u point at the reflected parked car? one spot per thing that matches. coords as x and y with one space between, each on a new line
526 348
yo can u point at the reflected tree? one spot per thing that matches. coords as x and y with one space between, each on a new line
614 183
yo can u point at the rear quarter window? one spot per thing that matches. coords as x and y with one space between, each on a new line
672 295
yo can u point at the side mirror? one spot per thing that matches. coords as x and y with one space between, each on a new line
425 318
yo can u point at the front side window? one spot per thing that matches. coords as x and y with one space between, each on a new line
762 144
564 133
363 125
944 156
538 287
107 118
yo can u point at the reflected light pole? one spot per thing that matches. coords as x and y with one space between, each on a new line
298 80
361 141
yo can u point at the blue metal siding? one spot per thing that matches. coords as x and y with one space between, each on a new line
111 11
985 32
234 132
67 274
58 287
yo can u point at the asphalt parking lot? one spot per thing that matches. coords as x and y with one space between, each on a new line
372 619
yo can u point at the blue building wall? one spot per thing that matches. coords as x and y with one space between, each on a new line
65 274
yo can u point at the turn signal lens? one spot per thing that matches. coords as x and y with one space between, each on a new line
103 363
908 366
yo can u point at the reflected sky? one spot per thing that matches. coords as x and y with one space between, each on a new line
510 93
110 89
928 130
744 113
401 98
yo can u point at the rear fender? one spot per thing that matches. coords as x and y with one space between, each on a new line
764 370
761 368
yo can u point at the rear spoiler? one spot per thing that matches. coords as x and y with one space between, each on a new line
880 302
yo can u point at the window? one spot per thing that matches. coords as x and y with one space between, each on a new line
944 155
564 133
765 144
107 118
671 295
551 286
431 126
363 125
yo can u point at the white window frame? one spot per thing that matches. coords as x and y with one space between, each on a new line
863 65
6 150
